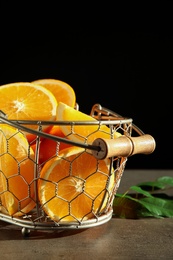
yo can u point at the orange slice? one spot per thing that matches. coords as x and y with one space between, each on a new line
84 132
16 172
49 148
27 101
61 90
75 186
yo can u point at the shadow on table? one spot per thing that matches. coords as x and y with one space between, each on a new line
14 232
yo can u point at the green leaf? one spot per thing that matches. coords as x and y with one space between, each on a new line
157 206
140 190
152 185
144 204
125 207
143 213
167 180
161 183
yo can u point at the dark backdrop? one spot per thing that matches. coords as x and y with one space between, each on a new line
123 63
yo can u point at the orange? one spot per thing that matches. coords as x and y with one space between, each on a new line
27 101
16 172
85 132
61 90
49 148
75 186
32 137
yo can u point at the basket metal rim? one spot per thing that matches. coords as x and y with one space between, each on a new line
29 224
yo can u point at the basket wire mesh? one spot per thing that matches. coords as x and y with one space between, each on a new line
37 219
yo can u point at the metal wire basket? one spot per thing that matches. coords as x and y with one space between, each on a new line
117 150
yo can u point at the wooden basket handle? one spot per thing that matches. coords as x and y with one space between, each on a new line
124 146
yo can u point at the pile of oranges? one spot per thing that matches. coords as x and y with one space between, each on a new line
72 183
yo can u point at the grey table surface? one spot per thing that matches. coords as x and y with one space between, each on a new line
147 238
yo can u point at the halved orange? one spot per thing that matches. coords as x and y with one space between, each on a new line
75 186
61 90
27 101
16 172
85 132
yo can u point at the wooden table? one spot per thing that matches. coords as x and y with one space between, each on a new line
117 239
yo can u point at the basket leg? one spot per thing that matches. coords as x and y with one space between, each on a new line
25 231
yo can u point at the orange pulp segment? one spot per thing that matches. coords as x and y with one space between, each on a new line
75 186
85 132
61 90
16 172
27 101
49 148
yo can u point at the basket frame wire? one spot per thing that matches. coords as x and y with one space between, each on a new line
103 116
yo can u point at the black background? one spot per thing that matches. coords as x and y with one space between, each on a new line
119 57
